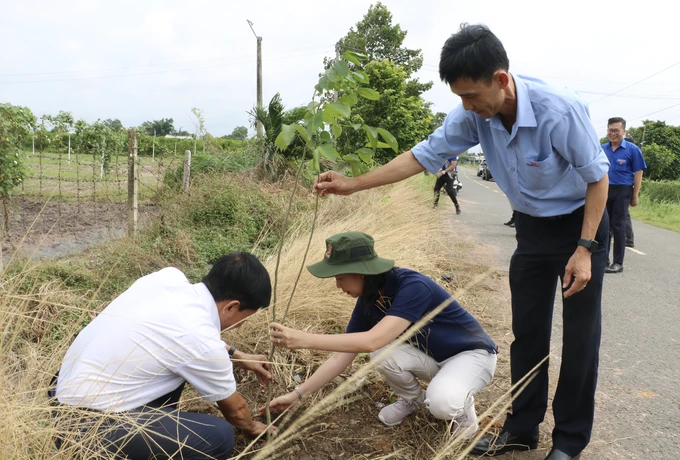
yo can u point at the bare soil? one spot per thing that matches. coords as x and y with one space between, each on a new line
55 229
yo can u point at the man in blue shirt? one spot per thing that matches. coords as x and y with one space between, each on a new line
445 179
542 150
625 178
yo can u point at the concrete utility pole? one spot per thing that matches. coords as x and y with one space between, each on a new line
260 128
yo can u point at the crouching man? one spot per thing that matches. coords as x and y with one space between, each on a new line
130 364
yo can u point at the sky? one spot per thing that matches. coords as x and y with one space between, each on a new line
144 60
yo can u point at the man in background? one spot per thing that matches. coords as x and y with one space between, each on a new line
445 178
625 179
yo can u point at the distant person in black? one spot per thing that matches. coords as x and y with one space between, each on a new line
445 179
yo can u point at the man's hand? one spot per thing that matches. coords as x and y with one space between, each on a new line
258 428
634 201
578 272
440 174
283 336
333 182
282 403
254 363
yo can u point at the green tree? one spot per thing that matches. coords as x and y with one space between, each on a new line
376 37
273 117
661 148
401 108
116 125
661 163
437 120
16 124
240 133
162 127
408 118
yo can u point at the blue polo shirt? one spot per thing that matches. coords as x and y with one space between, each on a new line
624 162
544 164
448 162
411 295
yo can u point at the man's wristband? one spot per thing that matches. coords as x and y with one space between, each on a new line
299 395
231 351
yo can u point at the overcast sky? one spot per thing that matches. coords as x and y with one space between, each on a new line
143 60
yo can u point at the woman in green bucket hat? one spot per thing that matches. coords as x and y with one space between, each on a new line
452 352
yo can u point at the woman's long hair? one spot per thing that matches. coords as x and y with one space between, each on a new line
373 284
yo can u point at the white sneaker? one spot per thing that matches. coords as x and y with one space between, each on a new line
467 425
395 413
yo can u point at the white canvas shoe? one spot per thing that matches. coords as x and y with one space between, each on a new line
395 413
467 425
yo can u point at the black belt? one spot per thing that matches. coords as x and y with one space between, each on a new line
561 216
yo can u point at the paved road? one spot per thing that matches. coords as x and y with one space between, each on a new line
638 398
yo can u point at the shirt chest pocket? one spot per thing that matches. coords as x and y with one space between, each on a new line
621 165
539 175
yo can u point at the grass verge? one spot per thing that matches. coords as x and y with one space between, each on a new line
42 307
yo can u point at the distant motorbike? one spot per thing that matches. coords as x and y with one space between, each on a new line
457 185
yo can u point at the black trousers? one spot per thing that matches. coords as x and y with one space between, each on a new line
157 430
544 247
618 201
630 235
446 182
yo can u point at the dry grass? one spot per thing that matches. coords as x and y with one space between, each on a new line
405 229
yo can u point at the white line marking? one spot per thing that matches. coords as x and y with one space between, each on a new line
636 251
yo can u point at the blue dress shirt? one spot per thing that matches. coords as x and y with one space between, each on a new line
624 162
544 164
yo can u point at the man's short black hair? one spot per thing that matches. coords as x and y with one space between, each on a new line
473 52
240 276
613 120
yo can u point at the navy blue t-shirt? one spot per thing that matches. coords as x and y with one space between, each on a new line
411 295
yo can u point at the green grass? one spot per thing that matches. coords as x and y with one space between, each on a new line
80 179
665 215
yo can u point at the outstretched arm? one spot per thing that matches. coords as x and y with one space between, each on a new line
400 168
337 363
388 329
235 410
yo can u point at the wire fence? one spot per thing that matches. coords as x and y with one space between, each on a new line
70 200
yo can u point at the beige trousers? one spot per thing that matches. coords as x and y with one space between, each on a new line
453 383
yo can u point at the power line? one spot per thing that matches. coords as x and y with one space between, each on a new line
630 95
102 77
115 69
647 114
633 84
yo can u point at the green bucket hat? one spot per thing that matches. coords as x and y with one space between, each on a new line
350 252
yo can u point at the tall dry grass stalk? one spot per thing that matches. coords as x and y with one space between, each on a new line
405 229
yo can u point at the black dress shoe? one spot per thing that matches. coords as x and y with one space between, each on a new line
614 268
630 244
492 445
556 454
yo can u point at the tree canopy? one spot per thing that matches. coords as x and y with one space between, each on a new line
390 67
162 127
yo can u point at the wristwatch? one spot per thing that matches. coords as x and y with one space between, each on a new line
590 245
231 351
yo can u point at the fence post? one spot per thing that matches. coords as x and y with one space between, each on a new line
133 183
187 171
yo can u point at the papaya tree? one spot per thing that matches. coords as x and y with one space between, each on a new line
16 125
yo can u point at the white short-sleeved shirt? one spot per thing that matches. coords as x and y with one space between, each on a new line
159 333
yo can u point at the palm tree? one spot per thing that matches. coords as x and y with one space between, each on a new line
272 118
